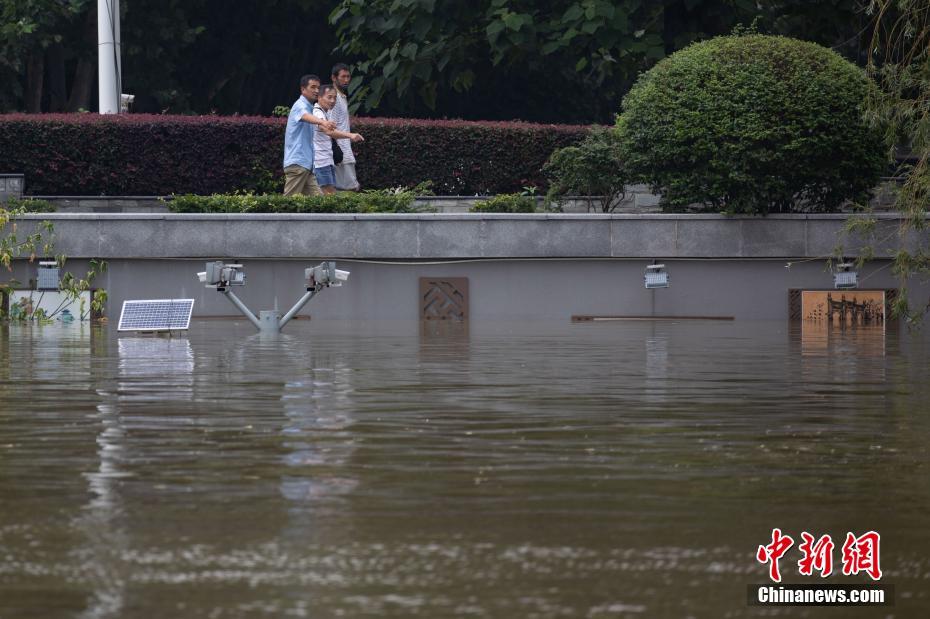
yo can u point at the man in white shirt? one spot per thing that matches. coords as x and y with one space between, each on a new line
323 163
345 171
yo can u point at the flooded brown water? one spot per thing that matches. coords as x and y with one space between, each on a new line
625 469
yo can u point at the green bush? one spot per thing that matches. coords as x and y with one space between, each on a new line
592 168
752 124
29 205
506 203
380 201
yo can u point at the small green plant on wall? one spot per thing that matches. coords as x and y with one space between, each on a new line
40 241
506 203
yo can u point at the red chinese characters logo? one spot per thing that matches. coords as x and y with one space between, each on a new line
860 554
817 556
773 552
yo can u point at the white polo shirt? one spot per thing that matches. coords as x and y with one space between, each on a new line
322 147
340 115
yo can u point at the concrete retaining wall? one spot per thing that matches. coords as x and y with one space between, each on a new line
519 266
428 236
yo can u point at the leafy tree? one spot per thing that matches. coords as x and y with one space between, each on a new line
497 58
564 60
899 60
37 37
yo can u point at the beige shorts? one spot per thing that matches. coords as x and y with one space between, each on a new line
299 181
345 177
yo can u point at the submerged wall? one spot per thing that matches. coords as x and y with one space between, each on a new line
518 266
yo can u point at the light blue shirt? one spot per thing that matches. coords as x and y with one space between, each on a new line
298 137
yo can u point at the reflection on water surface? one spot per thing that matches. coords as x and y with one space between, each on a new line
499 470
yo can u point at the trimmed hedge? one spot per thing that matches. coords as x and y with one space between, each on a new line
372 201
136 154
753 124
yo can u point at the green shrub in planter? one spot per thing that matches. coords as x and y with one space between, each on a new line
752 124
374 201
506 203
594 168
29 205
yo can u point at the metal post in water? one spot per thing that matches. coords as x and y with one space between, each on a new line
293 311
241 306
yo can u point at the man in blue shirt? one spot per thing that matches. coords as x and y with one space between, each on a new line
298 141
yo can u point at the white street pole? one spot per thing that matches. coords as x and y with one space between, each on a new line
108 56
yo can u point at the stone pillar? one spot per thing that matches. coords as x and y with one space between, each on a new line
11 186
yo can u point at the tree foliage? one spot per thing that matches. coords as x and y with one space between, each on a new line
35 38
566 60
594 168
562 60
447 57
899 59
177 55
752 124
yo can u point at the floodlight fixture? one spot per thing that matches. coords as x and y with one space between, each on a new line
325 275
656 276
48 275
221 276
845 277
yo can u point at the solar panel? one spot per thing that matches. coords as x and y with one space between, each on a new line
156 315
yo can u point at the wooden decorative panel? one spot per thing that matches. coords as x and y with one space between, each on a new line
794 301
443 298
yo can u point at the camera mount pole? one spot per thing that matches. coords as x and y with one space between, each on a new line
229 294
297 307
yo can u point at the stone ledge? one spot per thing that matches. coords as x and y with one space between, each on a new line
451 236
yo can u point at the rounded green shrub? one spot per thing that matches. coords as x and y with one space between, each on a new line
752 124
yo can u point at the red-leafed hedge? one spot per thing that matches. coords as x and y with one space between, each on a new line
89 154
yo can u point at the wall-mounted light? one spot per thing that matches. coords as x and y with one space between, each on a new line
845 276
48 275
656 276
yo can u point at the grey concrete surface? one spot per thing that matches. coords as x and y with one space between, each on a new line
442 236
519 266
500 289
11 187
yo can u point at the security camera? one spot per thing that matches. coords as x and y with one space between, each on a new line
325 275
220 275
